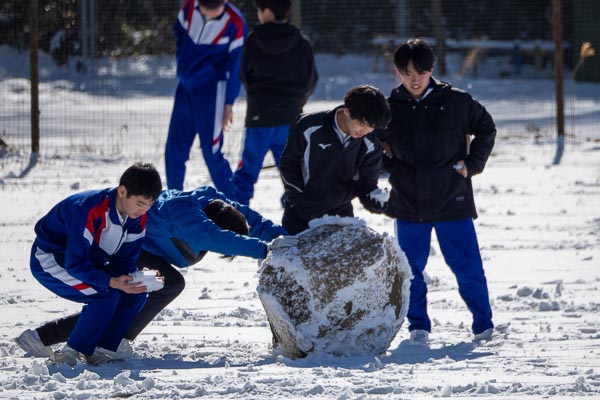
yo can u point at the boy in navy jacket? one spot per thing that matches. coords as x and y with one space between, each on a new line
84 250
278 73
332 157
431 166
181 228
209 39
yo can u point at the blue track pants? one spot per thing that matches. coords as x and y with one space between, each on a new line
106 315
198 112
257 142
458 243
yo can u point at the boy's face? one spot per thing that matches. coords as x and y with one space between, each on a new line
414 81
212 13
354 127
133 206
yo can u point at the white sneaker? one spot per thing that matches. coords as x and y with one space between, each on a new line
101 356
31 343
125 348
484 336
66 355
420 337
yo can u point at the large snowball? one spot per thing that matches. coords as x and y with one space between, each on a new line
343 290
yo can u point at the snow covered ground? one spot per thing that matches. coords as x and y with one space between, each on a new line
539 230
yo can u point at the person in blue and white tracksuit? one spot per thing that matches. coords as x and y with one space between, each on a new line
181 228
209 39
85 248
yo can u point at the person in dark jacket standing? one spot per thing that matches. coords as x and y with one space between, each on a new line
332 157
431 164
278 72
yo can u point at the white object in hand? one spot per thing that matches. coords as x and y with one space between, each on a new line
380 196
148 278
458 166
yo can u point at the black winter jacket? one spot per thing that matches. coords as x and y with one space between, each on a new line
427 138
320 176
278 73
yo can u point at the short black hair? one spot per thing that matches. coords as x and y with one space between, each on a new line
416 50
279 8
227 216
211 4
368 105
141 179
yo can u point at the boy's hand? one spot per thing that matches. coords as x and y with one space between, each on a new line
281 242
122 283
227 116
387 149
377 200
461 168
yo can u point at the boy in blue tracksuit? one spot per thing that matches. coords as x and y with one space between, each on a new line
181 228
189 226
209 39
84 249
279 74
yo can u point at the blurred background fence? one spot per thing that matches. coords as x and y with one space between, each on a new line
107 68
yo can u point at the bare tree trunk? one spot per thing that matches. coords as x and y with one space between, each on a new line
440 37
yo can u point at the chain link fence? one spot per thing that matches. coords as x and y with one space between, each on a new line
107 67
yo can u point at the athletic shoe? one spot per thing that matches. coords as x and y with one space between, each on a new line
125 348
484 336
101 356
31 343
67 355
420 337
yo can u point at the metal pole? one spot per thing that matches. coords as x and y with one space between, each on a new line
296 13
558 67
558 79
93 28
34 76
84 33
438 32
402 19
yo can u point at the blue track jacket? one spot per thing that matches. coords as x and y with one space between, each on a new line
209 50
88 240
178 228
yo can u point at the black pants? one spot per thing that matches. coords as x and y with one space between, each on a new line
58 331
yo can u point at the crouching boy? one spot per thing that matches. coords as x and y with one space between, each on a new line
84 250
331 157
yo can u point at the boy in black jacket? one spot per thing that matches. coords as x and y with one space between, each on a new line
278 73
332 157
430 166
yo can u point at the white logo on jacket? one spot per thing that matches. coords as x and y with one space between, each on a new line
324 145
